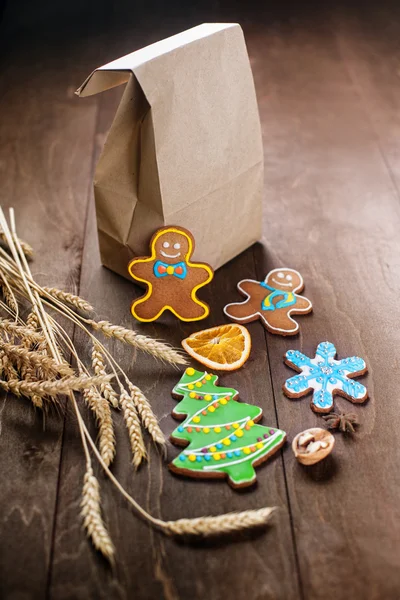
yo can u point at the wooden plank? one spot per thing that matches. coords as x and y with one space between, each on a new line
45 162
371 56
148 564
332 212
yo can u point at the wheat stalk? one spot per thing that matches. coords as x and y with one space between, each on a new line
69 298
102 411
134 429
92 519
59 387
146 414
142 342
23 284
99 368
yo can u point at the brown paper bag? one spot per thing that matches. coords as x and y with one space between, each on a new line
184 148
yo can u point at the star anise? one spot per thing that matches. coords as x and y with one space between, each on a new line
345 422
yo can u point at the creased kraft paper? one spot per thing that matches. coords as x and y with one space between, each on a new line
184 148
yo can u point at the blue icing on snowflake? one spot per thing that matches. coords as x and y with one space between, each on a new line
325 376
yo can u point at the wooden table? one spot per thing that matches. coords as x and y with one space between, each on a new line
329 96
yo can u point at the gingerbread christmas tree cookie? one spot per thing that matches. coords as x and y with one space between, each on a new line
325 377
273 301
172 279
221 435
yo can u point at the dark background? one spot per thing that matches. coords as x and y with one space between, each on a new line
327 78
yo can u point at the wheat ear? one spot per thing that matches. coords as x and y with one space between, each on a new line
49 366
92 519
59 387
228 523
26 248
69 298
106 389
134 429
146 414
32 321
147 344
8 368
102 411
9 296
20 331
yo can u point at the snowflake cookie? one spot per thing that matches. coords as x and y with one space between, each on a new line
326 376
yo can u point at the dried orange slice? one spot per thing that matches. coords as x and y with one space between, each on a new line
222 348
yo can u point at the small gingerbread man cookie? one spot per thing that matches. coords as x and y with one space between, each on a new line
273 301
171 278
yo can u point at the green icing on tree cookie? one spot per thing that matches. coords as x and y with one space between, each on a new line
220 435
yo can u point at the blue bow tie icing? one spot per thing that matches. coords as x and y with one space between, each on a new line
267 304
162 269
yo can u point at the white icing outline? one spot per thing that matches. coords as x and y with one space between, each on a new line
260 314
246 458
331 388
198 450
169 255
281 283
221 425
186 385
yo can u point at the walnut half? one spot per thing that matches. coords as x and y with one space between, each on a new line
312 445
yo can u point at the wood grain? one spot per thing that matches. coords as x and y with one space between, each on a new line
328 91
332 212
45 166
162 561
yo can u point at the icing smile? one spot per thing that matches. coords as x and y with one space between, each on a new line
170 255
281 283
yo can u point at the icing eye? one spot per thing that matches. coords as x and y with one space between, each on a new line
289 277
281 275
177 246
166 245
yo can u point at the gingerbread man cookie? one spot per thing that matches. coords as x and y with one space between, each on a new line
171 278
273 301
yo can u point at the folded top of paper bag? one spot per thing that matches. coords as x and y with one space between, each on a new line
101 79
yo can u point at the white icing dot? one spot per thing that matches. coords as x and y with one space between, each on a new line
166 245
177 246
289 277
281 275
